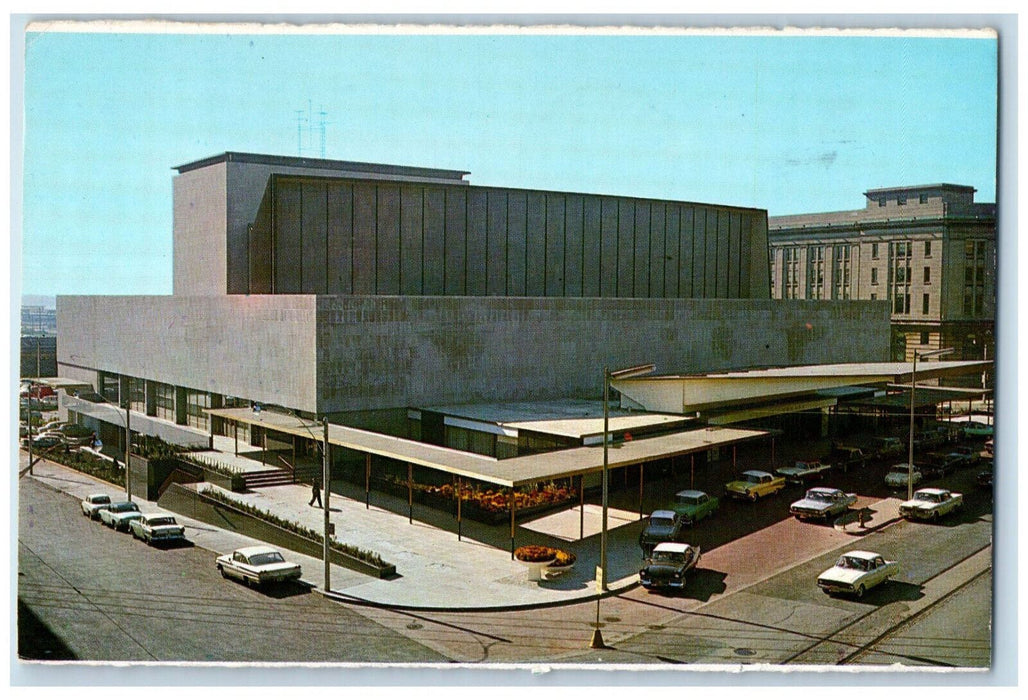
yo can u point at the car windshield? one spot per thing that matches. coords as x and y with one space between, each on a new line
100 499
926 496
853 563
688 500
262 558
899 471
669 557
165 520
124 508
661 522
819 496
751 478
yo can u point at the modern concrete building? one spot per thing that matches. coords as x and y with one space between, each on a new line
929 250
363 291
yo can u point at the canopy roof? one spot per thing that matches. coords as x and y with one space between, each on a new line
516 471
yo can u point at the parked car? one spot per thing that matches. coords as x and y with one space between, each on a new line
963 456
941 463
694 505
668 564
43 442
821 503
662 526
93 503
887 446
257 566
931 504
857 572
803 472
900 475
845 456
976 429
157 527
119 515
984 477
754 484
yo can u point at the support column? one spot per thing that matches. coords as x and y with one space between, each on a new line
235 434
512 523
367 481
457 493
733 457
581 507
410 493
641 468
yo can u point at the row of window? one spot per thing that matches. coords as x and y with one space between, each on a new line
901 200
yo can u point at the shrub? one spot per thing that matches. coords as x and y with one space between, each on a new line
364 555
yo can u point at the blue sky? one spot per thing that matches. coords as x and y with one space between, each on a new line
788 124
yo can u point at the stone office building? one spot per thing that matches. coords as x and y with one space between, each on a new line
930 251
359 291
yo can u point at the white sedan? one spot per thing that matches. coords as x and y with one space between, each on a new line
856 572
157 527
931 504
257 566
119 515
93 503
900 474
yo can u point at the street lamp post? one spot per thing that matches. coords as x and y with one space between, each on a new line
913 386
325 481
128 450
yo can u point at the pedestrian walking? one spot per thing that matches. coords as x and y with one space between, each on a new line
316 493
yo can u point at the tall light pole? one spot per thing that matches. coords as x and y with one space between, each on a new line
325 483
128 450
913 386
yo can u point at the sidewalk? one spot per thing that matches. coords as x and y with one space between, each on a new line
434 570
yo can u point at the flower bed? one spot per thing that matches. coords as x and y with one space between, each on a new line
486 505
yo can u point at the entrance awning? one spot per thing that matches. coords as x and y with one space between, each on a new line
517 471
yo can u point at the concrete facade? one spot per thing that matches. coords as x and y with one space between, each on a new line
345 354
930 251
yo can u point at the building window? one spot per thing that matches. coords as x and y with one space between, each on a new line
164 401
928 249
924 304
196 404
923 199
790 273
137 394
874 251
841 272
899 266
874 275
928 275
874 297
815 272
924 337
900 201
881 201
974 277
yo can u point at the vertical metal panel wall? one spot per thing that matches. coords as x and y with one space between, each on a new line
341 236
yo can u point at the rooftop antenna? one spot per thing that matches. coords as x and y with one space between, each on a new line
322 124
299 132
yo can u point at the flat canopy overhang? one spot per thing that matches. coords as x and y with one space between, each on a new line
518 471
690 393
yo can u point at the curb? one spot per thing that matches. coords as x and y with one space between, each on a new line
364 602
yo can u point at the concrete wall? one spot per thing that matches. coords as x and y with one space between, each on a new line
338 236
373 353
385 352
255 347
199 246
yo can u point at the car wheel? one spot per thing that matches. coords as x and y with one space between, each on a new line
221 570
753 497
934 517
860 591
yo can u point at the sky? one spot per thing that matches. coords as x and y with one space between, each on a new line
791 124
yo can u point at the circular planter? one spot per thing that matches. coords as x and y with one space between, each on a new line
535 568
555 571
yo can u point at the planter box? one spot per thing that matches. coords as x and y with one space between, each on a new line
469 510
192 504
